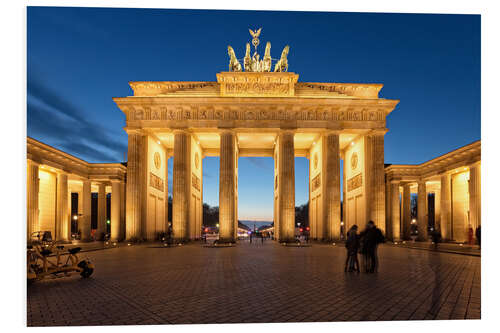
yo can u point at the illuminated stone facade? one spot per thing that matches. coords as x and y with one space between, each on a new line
255 114
454 179
53 175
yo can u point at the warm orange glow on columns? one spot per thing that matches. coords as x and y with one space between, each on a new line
286 185
332 185
227 181
101 211
375 174
446 206
422 211
406 210
395 216
84 221
116 197
475 195
180 200
63 218
134 188
32 190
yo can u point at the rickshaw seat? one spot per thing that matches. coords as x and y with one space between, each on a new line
74 250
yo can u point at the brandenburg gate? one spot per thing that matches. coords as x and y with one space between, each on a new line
254 110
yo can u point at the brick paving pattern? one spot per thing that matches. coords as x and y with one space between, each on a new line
254 283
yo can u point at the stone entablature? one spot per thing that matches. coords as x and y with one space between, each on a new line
461 157
248 84
44 154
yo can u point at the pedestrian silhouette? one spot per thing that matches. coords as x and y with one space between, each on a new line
352 246
369 240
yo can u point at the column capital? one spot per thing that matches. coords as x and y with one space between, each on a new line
475 164
32 162
332 132
378 131
180 131
226 130
133 130
395 182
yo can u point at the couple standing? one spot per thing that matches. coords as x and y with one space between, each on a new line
366 243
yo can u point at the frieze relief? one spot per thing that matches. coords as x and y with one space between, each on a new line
354 182
195 182
289 113
155 182
316 183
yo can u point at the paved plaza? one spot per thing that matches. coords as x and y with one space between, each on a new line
255 283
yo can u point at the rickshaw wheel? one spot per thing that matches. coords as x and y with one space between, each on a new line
86 272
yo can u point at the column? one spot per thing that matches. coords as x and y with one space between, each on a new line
446 206
32 190
422 211
122 211
166 191
84 222
286 185
180 203
332 185
134 182
437 210
406 210
376 183
227 186
395 218
101 211
388 211
475 195
62 215
115 210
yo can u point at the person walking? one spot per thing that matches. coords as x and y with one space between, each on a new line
352 246
371 237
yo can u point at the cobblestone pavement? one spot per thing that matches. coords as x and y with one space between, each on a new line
254 283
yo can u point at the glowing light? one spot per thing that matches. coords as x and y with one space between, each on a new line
108 221
352 143
75 217
333 244
129 244
198 142
217 225
314 142
114 244
341 223
158 142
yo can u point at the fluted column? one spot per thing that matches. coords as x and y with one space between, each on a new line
227 186
437 210
286 185
395 216
332 185
446 206
423 222
62 216
101 210
122 211
475 195
115 210
180 179
166 192
134 185
32 190
406 208
376 181
85 220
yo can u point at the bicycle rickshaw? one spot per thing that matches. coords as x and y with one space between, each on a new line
47 258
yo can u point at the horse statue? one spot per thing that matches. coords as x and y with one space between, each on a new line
282 64
234 64
247 61
266 61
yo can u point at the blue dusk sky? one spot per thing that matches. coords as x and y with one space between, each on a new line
78 59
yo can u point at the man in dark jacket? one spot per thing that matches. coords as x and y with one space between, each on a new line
370 238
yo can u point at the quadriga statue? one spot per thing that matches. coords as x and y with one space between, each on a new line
282 64
266 61
234 64
247 61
